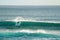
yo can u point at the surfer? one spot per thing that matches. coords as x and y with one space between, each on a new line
18 24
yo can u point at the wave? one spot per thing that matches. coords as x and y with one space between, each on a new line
22 31
56 32
29 25
27 33
20 22
38 23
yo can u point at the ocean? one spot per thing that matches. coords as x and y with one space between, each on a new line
34 22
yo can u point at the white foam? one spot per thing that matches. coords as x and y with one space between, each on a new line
55 32
24 31
49 21
21 19
30 20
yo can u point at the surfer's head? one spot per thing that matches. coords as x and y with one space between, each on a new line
17 22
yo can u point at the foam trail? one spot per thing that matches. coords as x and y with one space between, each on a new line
56 32
24 31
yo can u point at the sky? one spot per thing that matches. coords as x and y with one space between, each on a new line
29 2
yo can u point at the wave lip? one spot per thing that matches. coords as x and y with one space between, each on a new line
21 19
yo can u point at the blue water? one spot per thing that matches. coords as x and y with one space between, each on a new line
38 13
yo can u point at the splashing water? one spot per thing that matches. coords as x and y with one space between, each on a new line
21 19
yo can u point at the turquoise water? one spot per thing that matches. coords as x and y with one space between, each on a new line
49 29
26 36
29 25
